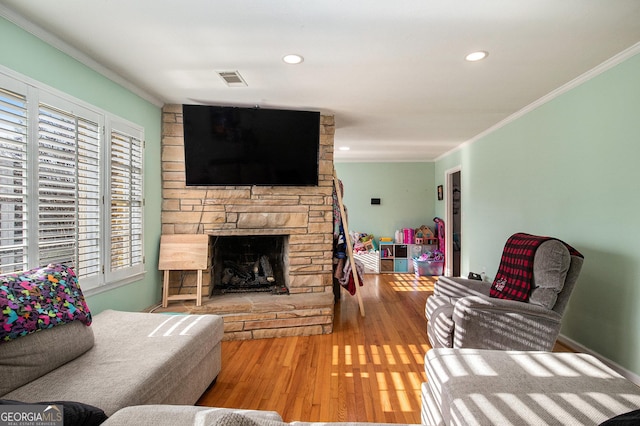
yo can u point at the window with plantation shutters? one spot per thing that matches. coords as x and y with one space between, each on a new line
68 194
68 190
126 200
89 199
13 181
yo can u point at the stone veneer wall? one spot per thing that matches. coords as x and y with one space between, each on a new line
305 214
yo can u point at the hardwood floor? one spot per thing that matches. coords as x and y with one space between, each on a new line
368 369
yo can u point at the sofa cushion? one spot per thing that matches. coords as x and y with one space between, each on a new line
29 357
550 266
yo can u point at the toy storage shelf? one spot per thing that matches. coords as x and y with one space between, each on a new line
398 258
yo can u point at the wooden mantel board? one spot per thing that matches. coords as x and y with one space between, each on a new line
184 252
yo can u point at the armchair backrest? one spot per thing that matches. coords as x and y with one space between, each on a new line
569 284
555 272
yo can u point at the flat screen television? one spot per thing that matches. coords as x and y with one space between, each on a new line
250 146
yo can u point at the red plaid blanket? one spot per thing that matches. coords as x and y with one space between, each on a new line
515 273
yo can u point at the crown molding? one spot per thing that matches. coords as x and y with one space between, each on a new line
581 79
76 54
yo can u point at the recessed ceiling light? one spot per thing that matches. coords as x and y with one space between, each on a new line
344 148
476 56
293 59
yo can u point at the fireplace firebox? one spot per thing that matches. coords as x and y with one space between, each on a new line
243 264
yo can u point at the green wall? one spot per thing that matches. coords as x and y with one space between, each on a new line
33 58
406 190
568 169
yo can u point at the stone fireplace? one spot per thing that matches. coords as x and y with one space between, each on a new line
300 217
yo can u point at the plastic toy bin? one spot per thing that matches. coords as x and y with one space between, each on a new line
428 267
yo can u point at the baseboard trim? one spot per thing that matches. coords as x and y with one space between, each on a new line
575 346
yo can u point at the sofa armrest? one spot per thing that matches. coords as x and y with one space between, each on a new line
505 306
460 287
489 323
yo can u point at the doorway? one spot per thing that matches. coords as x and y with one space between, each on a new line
453 229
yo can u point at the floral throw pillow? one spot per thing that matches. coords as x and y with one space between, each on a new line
39 299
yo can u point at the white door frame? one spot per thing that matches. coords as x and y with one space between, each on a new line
448 221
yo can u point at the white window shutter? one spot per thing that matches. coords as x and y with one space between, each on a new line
57 187
89 206
126 198
13 182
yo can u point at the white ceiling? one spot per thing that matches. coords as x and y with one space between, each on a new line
392 73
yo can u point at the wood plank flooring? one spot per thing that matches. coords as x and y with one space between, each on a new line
368 369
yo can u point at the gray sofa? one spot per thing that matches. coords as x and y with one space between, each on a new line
493 387
122 359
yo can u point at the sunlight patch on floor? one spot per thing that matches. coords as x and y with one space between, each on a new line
375 355
402 353
391 360
411 283
362 356
347 355
398 387
418 352
335 359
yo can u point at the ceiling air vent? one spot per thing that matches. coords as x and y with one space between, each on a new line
232 78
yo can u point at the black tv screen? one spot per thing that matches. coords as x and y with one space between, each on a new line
250 146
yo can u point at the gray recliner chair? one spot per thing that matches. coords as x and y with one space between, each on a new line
460 313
